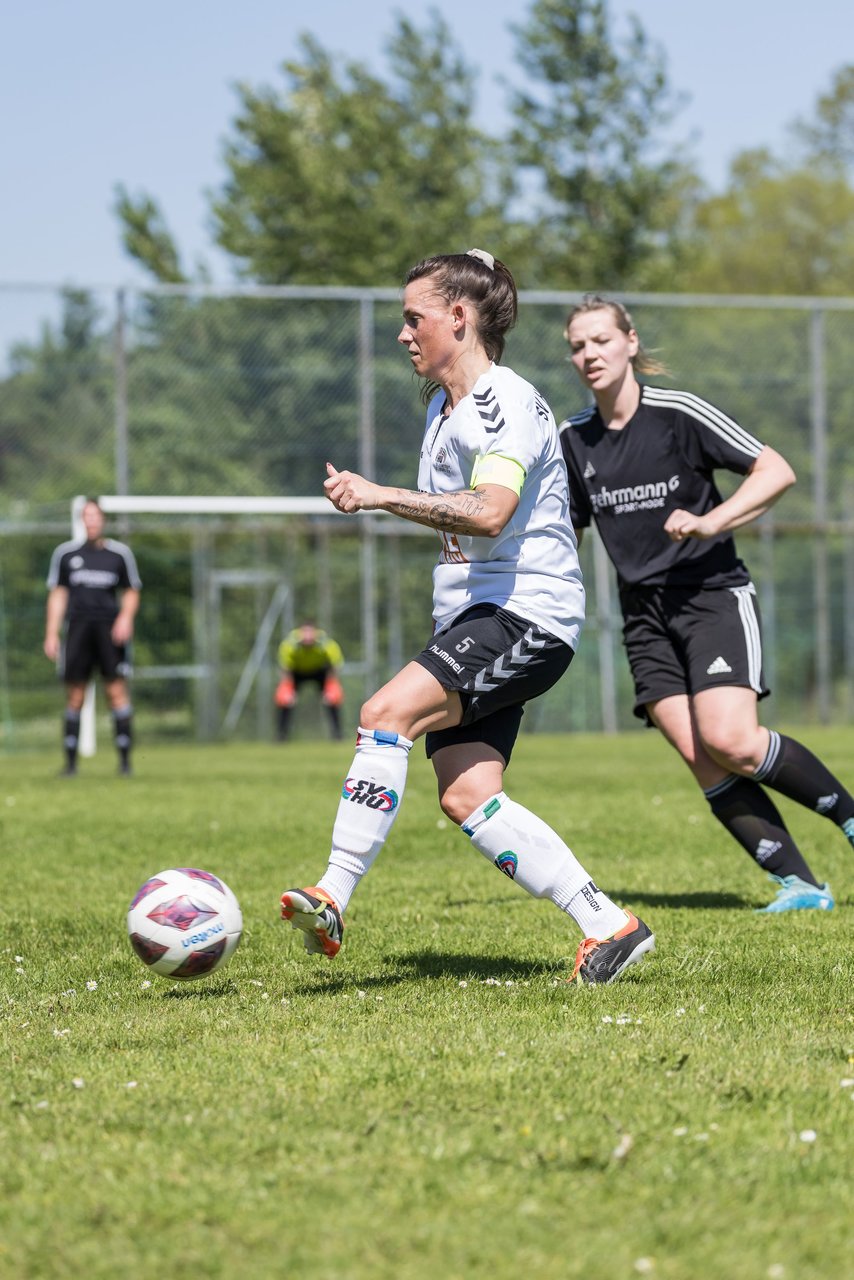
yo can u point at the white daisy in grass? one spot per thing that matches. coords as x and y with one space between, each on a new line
623 1147
91 985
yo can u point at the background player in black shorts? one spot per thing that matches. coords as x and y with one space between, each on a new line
94 589
641 462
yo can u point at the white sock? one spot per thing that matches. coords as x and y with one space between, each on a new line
370 801
528 851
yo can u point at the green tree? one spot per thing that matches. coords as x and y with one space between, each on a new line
146 236
346 179
57 410
829 137
785 224
606 199
777 230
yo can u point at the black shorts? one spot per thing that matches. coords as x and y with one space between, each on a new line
89 645
495 661
311 677
687 640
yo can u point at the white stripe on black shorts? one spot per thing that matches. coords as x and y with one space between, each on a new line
689 639
496 661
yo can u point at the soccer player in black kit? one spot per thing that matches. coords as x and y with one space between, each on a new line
641 461
83 581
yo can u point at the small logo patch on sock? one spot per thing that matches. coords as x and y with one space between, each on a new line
588 893
720 667
508 863
766 849
825 803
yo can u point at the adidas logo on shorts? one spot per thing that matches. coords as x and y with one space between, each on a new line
720 667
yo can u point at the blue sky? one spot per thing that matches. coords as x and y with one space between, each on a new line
95 92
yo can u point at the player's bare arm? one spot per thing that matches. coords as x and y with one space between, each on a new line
122 630
480 512
57 603
768 478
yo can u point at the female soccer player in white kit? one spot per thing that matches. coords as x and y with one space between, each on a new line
508 609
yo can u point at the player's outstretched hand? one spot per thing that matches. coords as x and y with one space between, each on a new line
348 491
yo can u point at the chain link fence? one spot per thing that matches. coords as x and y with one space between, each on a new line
202 391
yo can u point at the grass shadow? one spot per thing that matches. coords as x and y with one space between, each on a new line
435 965
702 901
201 993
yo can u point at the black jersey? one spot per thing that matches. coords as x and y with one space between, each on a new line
662 460
93 573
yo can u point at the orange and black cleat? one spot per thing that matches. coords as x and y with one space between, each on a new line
313 911
603 961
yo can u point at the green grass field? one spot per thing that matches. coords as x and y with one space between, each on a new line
437 1101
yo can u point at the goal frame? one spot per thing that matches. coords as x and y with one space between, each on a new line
114 504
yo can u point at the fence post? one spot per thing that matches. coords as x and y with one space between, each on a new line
605 625
121 401
367 467
848 571
821 592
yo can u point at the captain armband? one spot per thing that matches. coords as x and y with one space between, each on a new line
495 468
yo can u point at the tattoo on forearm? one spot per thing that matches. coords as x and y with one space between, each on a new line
459 512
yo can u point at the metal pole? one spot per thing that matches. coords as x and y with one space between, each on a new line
202 699
768 599
821 590
367 467
605 624
323 580
121 398
848 572
394 611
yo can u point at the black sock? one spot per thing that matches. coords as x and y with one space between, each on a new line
335 721
71 737
122 730
752 818
796 773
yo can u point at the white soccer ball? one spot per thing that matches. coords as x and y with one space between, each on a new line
184 923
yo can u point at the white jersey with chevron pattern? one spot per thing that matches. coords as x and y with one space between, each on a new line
531 568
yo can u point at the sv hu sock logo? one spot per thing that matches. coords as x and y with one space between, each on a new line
372 794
